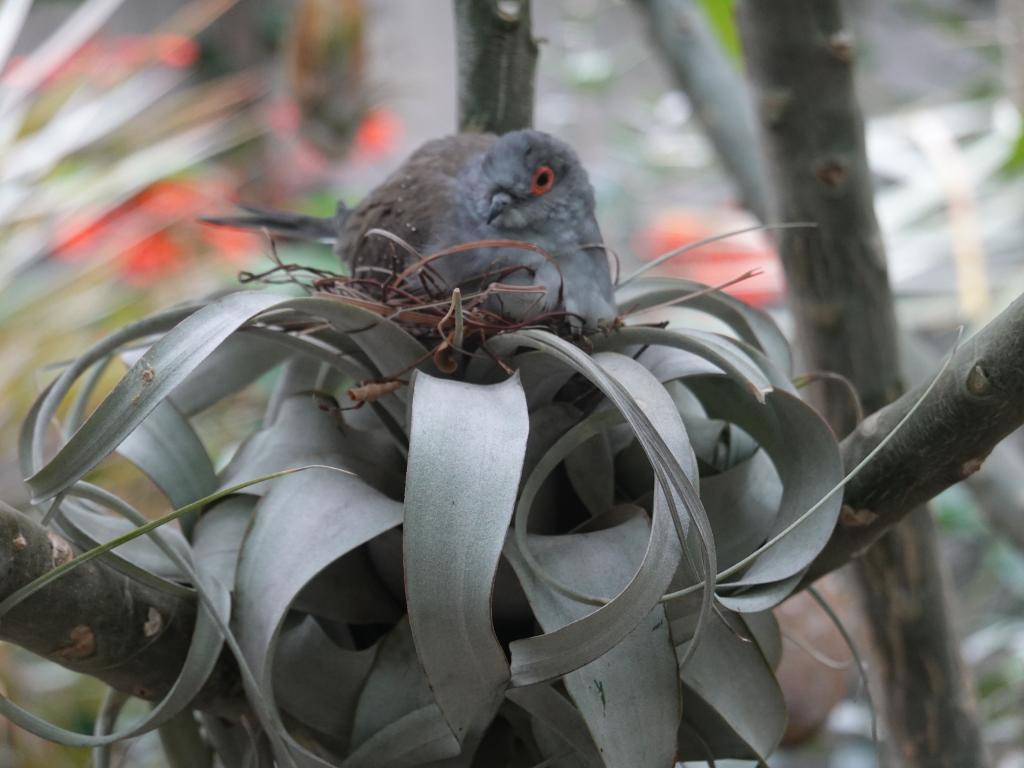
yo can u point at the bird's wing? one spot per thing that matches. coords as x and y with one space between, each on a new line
588 290
295 226
414 203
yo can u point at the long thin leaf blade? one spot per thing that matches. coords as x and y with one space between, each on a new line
736 714
165 365
172 359
302 525
168 450
752 325
547 656
466 449
12 19
69 37
629 696
552 711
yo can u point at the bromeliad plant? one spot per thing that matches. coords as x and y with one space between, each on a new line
555 553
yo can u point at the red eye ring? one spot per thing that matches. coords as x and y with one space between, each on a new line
543 180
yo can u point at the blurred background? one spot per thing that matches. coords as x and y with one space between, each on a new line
123 121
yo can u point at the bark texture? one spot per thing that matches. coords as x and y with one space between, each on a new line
497 59
720 97
979 401
1010 26
800 56
976 403
800 60
97 621
930 708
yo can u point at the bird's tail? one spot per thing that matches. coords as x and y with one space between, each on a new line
296 226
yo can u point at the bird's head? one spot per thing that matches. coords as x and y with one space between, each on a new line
529 178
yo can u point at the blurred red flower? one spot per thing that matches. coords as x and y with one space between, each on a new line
177 51
716 262
233 244
154 256
378 133
157 231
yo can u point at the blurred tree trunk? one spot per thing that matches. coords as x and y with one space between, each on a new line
720 97
930 709
998 490
1010 23
245 37
497 60
800 59
325 61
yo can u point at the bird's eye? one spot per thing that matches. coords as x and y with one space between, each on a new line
543 180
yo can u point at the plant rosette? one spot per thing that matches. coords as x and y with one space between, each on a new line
553 551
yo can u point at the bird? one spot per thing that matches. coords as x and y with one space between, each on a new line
524 186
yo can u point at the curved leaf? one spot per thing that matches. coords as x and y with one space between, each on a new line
165 365
764 628
169 361
166 448
32 436
235 364
305 427
729 359
671 363
302 524
752 325
395 686
217 536
466 449
300 430
317 681
591 471
806 457
729 346
418 738
762 597
735 714
548 423
299 528
555 713
547 656
742 504
629 696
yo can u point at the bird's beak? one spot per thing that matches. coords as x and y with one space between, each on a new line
499 203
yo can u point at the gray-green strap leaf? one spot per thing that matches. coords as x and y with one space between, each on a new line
466 450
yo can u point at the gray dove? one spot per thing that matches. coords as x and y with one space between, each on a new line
525 186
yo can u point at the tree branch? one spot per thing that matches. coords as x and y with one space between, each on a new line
99 622
497 57
718 93
978 402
